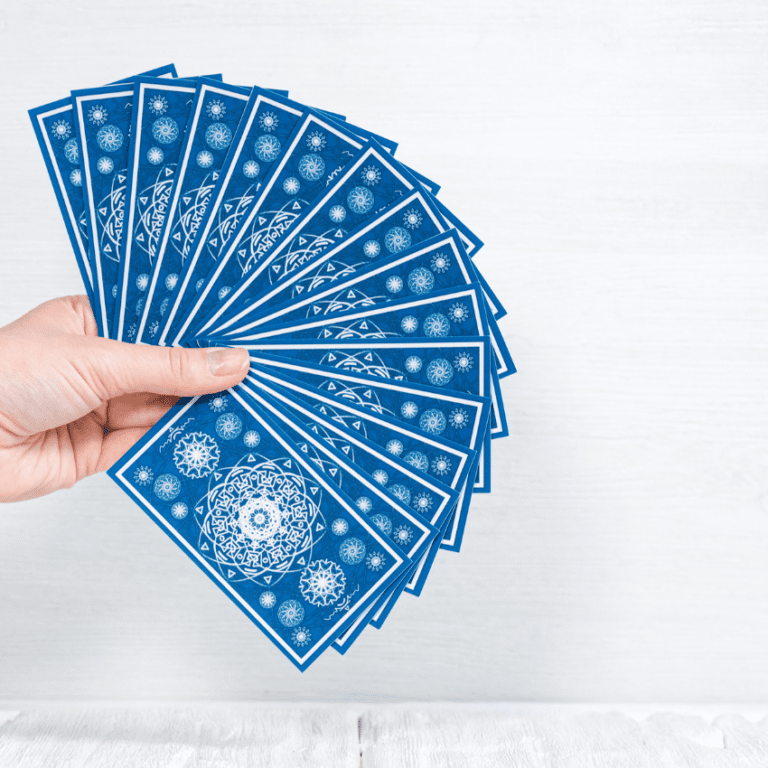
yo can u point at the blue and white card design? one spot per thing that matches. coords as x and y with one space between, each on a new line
289 548
216 113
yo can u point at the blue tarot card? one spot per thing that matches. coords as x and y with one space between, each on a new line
288 547
159 119
216 112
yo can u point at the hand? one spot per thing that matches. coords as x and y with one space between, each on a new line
71 403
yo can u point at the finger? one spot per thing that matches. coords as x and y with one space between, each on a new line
116 445
139 410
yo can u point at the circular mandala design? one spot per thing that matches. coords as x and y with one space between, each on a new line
155 155
440 263
403 535
441 465
316 141
439 372
218 136
143 476
157 104
458 418
463 362
167 487
421 281
433 421
196 455
371 175
218 403
417 460
301 636
109 138
229 426
360 200
382 522
165 130
290 613
397 239
72 152
61 129
267 148
268 121
322 582
412 219
352 551
402 493
375 561
436 325
216 109
97 114
311 167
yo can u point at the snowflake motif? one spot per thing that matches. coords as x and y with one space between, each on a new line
196 455
413 364
409 324
360 200
204 159
114 291
142 281
463 362
157 105
339 526
402 493
381 477
458 312
216 109
218 136
316 141
440 263
224 292
417 460
97 114
61 129
268 121
199 284
143 476
409 410
301 637
395 447
72 152
218 404
290 613
337 214
412 218
436 325
229 426
403 534
251 438
164 306
139 307
179 510
267 148
433 421
458 418
364 504
251 169
311 167
423 502
165 130
394 284
76 178
421 281
439 372
105 165
375 561
167 487
441 465
371 248
291 185
155 155
322 582
171 280
397 239
109 138
153 328
267 599
131 332
383 523
371 175
352 551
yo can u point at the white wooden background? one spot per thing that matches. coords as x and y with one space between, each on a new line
613 156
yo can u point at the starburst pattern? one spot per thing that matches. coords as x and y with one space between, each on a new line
403 534
417 460
412 218
440 263
268 121
371 248
458 312
290 613
413 364
216 109
339 526
395 447
352 551
167 487
394 284
143 475
155 155
409 410
204 159
196 455
441 465
364 504
301 636
61 129
170 281
421 281
337 214
322 582
105 165
375 561
371 175
397 239
458 418
179 510
409 324
251 169
157 104
316 141
402 493
76 178
267 599
423 502
223 292
381 476
433 421
97 114
251 438
218 403
463 362
291 185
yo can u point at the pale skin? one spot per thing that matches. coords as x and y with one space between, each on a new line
71 403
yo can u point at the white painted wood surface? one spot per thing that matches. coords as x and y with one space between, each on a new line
613 156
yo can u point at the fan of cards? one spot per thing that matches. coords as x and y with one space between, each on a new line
321 489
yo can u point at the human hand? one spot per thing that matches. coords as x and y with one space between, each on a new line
71 403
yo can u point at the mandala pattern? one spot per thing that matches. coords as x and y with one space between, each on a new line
397 239
402 493
375 561
383 523
215 109
291 185
395 447
371 248
76 178
155 156
179 510
316 141
290 613
171 281
61 129
301 637
413 364
436 325
251 169
371 175
433 421
360 200
167 487
105 165
412 218
441 465
196 455
229 426
251 439
157 105
204 159
109 138
311 167
352 551
417 460
322 582
409 410
267 599
72 152
364 504
458 312
337 214
409 324
440 263
463 362
143 476
97 115
268 121
394 284
267 148
423 502
218 404
218 136
421 281
439 372
339 526
165 130
458 418
381 477
403 535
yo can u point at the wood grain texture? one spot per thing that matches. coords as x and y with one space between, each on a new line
613 157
